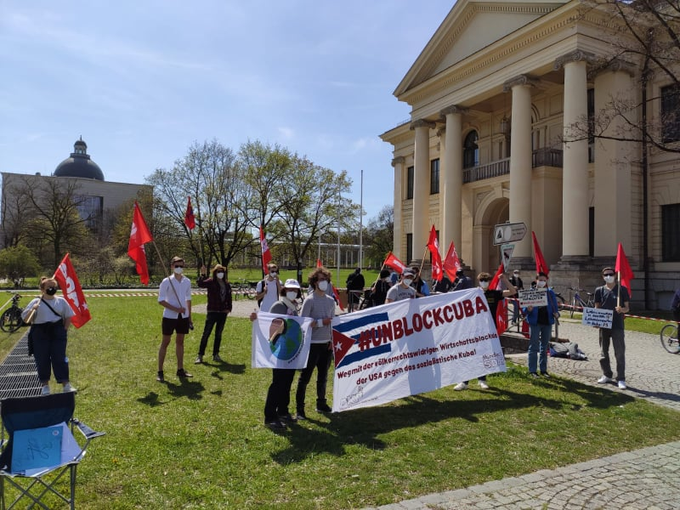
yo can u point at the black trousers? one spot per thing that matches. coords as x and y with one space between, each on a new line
278 395
216 320
320 358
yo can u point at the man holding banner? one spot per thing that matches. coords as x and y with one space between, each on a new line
541 318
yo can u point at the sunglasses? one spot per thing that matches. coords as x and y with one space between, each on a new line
179 266
609 274
483 279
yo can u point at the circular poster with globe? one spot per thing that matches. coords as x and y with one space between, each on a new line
285 338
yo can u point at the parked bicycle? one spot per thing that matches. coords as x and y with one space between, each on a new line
669 338
578 303
10 320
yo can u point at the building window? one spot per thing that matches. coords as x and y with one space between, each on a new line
470 150
434 176
591 125
91 210
409 248
670 233
670 120
409 183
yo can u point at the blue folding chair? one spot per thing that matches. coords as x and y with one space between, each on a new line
40 448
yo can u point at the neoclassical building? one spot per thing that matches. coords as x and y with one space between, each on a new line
496 96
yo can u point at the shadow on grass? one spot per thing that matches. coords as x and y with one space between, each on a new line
662 395
364 426
191 390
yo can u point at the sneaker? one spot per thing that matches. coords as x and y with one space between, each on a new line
533 375
483 385
68 388
183 374
545 374
300 415
323 408
198 360
460 386
45 390
604 380
288 418
217 359
160 377
276 424
622 385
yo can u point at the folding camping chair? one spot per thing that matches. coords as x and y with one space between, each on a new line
40 447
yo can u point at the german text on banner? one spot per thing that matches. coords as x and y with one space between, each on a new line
281 341
413 346
73 293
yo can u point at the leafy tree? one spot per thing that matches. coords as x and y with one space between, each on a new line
18 262
379 236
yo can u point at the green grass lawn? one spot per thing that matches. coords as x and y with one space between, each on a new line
202 443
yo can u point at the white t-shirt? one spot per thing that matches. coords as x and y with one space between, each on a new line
182 290
272 295
398 292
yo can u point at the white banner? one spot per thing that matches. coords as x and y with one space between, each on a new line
598 317
533 297
413 346
281 341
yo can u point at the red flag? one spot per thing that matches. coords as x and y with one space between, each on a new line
623 268
337 297
318 263
541 266
266 254
394 263
496 280
451 262
502 308
73 293
433 246
139 235
189 218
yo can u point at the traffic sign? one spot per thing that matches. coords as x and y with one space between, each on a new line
506 252
508 233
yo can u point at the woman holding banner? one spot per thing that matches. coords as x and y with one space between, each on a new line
541 320
50 318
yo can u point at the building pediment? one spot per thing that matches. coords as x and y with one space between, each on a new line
471 26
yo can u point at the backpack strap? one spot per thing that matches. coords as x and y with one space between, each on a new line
48 306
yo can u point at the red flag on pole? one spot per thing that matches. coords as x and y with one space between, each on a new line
73 293
318 263
393 262
266 254
189 218
139 235
623 268
451 262
433 246
541 266
501 317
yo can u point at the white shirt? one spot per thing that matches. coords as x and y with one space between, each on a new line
182 290
44 315
272 295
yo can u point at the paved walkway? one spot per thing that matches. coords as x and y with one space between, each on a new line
639 479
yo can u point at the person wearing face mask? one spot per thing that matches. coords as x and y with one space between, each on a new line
174 295
321 307
462 281
219 306
493 297
609 297
269 289
403 289
50 318
380 288
516 280
541 320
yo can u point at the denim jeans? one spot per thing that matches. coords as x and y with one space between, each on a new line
49 349
538 345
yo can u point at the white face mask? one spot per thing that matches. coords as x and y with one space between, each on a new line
291 295
408 281
484 285
609 279
220 275
179 270
273 274
540 284
322 285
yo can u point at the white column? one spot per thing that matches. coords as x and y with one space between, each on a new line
398 164
613 160
575 159
421 187
452 180
520 160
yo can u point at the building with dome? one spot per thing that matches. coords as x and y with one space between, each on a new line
83 179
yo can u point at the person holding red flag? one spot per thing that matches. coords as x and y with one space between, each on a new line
612 296
493 297
50 318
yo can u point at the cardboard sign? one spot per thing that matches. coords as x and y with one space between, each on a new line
598 317
533 297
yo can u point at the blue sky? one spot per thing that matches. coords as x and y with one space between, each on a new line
142 80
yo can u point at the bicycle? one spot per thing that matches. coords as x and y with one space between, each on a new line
669 338
11 320
578 302
354 300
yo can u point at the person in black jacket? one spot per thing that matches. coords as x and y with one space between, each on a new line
219 306
355 282
380 288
